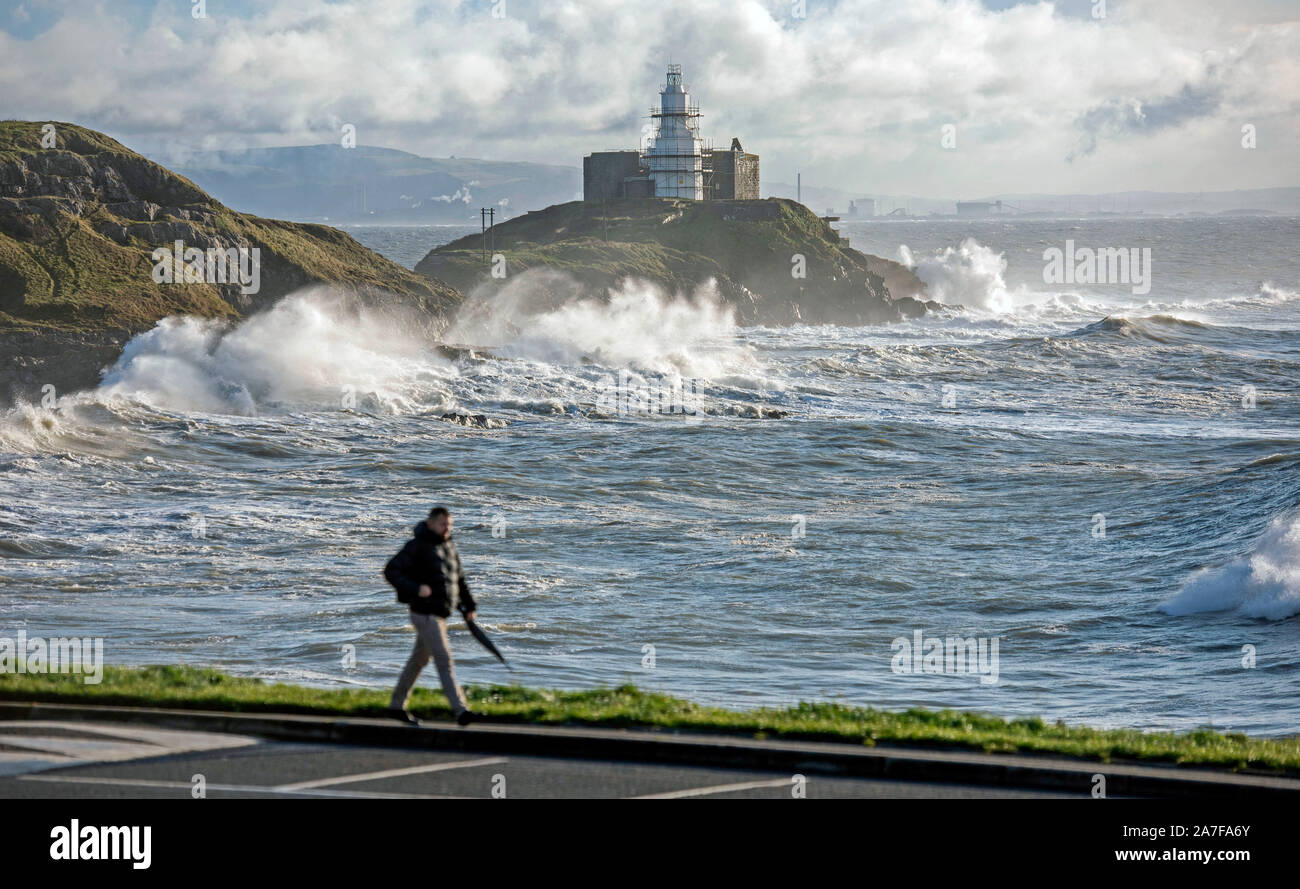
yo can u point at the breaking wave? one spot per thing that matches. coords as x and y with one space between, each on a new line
638 327
1266 583
314 350
307 349
975 276
1267 296
970 275
1156 328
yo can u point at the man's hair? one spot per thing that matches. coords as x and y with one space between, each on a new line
438 511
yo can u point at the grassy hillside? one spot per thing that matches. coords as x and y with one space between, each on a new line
748 247
79 222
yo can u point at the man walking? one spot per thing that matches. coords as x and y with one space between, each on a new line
428 577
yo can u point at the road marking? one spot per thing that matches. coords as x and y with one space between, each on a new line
36 745
717 788
167 740
232 788
14 764
392 773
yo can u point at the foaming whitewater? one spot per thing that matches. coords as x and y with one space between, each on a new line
75 424
315 351
973 276
309 349
639 327
218 502
969 274
1265 583
1260 307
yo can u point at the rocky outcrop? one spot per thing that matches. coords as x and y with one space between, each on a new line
38 364
79 223
774 261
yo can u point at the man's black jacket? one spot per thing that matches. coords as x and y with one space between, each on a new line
429 559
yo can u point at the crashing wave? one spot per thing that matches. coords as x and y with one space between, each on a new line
1265 583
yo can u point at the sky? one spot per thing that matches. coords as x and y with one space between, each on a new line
927 97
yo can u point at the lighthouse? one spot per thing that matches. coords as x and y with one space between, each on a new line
676 156
675 162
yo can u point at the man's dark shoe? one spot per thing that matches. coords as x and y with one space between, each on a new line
402 716
465 717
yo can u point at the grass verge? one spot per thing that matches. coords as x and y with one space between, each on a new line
197 688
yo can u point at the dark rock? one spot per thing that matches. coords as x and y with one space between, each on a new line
910 307
477 421
462 353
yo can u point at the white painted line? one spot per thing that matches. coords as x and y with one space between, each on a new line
393 773
716 788
36 745
168 739
79 748
232 788
14 764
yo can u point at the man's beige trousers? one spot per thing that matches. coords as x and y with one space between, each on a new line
430 640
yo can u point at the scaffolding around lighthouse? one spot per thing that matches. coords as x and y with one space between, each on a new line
676 155
676 162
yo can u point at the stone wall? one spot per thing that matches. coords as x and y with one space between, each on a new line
603 173
735 175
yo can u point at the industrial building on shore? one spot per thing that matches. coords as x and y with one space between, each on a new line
677 163
978 208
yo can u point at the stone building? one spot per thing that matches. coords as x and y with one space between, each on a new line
677 163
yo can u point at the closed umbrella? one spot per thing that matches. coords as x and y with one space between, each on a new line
483 639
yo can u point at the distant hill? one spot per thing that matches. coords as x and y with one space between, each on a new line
747 247
330 183
79 223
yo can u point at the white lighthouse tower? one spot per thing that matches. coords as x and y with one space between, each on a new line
676 158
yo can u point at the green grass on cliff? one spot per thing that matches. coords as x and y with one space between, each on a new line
674 242
630 707
746 248
58 270
717 228
589 260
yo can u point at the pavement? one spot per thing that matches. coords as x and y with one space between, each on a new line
83 751
87 760
36 745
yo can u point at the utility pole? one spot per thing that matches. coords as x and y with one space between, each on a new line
487 218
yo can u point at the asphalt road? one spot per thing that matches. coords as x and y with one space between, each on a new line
86 760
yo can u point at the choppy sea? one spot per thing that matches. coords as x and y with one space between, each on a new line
1106 482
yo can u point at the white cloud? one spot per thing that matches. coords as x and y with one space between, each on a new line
1153 96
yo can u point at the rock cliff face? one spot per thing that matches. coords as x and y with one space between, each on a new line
773 260
79 223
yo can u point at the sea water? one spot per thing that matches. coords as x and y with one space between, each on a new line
1103 483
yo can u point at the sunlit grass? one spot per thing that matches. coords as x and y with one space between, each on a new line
628 706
